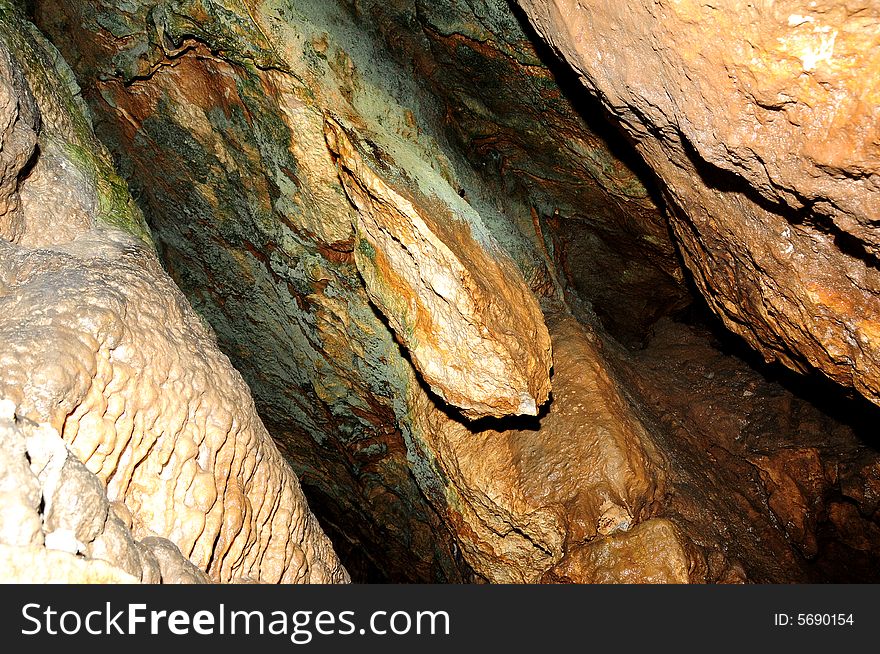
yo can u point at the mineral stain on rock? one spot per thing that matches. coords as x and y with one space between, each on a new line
472 327
139 446
477 267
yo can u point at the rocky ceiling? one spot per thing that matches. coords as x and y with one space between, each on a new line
448 291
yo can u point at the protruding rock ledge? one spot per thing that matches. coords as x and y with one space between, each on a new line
473 328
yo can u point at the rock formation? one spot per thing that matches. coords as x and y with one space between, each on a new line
471 325
761 122
442 243
59 525
129 441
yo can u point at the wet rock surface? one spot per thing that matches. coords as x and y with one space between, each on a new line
522 495
472 328
525 123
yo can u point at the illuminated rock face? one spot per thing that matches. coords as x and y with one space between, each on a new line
526 125
473 328
522 495
396 219
145 454
379 297
58 524
761 123
254 223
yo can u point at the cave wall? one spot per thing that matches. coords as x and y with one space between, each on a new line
238 130
761 122
524 122
266 251
131 448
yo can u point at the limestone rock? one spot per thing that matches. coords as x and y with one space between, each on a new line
277 150
653 553
20 522
101 349
131 379
173 569
18 137
62 515
761 123
522 497
255 226
36 565
474 330
528 128
756 458
795 483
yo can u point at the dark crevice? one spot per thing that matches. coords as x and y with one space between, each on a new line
589 108
726 181
630 325
842 404
29 8
28 168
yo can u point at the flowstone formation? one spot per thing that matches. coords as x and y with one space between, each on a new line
131 449
58 524
454 293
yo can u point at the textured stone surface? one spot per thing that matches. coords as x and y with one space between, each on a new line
255 226
652 553
472 327
761 123
20 522
132 380
102 349
38 565
522 495
17 140
56 519
527 126
281 149
758 458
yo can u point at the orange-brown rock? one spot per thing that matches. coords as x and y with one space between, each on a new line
761 122
334 210
18 137
522 496
757 459
519 115
795 483
654 552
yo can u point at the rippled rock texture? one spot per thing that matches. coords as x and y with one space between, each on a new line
131 445
397 216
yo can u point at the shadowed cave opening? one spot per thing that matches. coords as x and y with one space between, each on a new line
772 475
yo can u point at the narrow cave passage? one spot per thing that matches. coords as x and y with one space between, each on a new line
396 217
